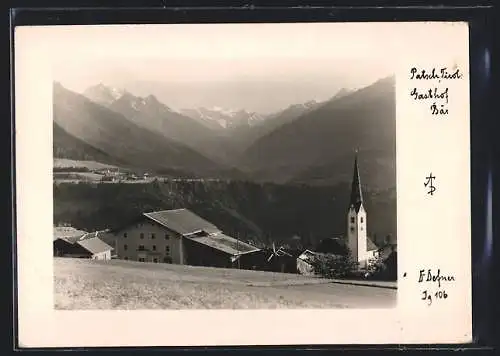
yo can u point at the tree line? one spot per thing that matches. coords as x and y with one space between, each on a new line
257 212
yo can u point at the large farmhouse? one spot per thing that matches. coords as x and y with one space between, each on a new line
181 237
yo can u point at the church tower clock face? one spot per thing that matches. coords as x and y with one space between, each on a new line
356 220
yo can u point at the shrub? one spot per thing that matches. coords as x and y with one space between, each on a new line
375 266
379 269
334 266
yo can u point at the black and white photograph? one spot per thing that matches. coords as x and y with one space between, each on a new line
264 180
249 183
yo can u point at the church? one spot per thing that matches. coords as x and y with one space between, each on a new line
360 245
357 242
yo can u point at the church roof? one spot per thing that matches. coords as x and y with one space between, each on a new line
356 194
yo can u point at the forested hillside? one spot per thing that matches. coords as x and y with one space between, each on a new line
251 211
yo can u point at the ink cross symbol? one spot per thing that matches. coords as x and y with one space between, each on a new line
429 181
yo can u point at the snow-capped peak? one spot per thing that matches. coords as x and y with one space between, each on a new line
219 117
103 94
227 112
116 93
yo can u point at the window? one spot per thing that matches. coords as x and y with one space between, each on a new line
125 235
166 237
361 219
154 247
153 236
141 248
352 220
155 260
125 247
142 260
141 235
352 228
167 249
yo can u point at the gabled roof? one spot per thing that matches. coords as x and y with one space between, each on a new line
370 245
181 221
309 256
223 243
387 250
69 234
94 245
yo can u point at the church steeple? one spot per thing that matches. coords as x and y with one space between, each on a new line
356 193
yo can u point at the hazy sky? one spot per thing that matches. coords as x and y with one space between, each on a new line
259 67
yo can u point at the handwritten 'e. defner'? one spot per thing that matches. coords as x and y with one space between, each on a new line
432 276
434 74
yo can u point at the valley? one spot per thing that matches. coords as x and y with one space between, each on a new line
307 143
261 177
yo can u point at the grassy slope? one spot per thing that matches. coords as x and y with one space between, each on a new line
85 284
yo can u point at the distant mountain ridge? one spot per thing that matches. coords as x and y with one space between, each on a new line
274 121
319 146
120 139
149 113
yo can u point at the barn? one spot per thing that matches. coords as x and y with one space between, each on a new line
81 245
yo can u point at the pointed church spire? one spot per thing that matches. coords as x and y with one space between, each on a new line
356 194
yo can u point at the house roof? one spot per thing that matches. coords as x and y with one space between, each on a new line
370 245
182 221
222 243
309 256
94 245
387 250
67 233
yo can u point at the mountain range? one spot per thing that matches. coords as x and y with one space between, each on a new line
319 146
310 143
95 128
